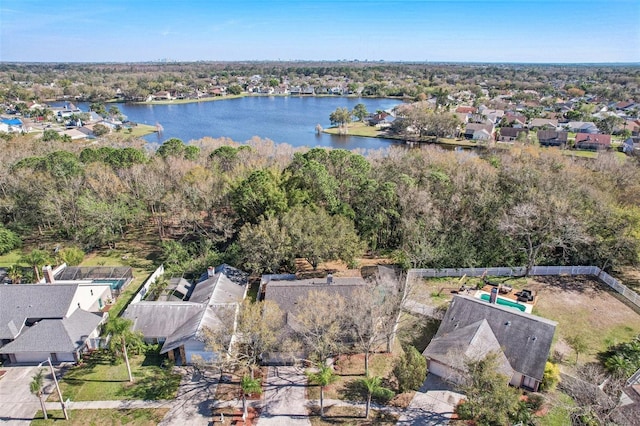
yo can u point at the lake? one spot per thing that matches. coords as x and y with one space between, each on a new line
283 119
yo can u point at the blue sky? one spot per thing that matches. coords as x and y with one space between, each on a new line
390 30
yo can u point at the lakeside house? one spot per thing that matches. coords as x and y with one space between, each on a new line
594 142
552 138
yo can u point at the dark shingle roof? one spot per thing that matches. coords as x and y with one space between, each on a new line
55 335
525 339
470 343
287 293
160 319
23 301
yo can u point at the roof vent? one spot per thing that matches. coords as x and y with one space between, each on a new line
507 323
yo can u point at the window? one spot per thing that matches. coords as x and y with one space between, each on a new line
528 382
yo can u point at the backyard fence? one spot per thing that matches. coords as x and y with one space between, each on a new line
145 287
594 271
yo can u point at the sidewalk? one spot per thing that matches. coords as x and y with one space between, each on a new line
119 405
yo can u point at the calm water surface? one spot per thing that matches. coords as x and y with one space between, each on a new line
283 119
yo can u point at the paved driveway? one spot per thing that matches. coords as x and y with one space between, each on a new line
192 406
17 404
432 405
285 398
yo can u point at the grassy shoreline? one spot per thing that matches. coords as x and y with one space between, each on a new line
360 129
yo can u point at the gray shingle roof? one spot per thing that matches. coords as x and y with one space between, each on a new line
20 302
470 343
525 339
55 335
161 319
209 304
287 293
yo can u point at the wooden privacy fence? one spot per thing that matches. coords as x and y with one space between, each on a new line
594 271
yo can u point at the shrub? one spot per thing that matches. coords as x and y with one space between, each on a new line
9 240
410 369
72 256
551 377
382 395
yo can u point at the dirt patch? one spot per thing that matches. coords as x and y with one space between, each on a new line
338 268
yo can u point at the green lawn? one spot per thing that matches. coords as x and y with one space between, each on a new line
10 258
99 379
140 417
141 130
558 414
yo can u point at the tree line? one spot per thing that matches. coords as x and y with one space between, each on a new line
262 205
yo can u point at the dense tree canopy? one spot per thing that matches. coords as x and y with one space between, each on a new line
261 205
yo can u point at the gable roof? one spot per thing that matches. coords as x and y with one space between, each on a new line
552 135
161 319
55 335
593 139
211 304
470 343
524 338
21 302
287 293
511 132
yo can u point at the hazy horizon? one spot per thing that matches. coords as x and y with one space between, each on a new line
417 31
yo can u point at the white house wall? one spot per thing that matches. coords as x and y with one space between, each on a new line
516 379
443 371
88 296
65 357
32 357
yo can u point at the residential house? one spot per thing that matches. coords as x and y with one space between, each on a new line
552 138
592 141
380 119
57 321
631 145
180 325
162 96
510 134
581 127
463 109
478 131
473 328
514 120
74 134
10 125
286 291
543 124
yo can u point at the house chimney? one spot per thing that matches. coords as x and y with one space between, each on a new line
211 271
494 295
329 279
48 274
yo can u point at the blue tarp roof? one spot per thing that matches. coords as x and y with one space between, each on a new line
12 121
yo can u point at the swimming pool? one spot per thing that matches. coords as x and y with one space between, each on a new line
115 284
505 302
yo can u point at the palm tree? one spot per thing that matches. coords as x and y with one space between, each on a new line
372 384
120 330
36 259
323 377
14 272
36 388
249 386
